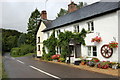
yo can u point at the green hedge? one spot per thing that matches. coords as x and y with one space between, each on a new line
22 50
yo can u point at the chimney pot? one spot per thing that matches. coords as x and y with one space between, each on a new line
72 7
44 14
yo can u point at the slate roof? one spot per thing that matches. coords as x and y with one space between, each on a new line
89 11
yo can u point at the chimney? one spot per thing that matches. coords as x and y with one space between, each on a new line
44 14
72 7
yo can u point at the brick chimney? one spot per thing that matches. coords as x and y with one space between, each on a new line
72 7
44 14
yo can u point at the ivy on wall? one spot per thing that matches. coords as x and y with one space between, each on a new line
63 41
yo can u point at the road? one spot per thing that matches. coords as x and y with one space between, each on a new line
26 67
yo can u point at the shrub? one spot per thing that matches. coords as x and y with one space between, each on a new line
22 50
103 65
95 60
56 56
15 51
62 59
47 57
27 49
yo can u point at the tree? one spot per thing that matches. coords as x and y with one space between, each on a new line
32 27
81 4
22 39
63 11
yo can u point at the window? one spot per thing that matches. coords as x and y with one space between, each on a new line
38 47
76 28
58 32
38 39
58 50
92 51
90 26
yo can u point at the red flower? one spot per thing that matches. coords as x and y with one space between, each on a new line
96 39
56 56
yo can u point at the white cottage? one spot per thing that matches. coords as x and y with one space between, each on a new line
100 19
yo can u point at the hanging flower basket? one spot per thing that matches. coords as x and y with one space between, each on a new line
113 44
96 39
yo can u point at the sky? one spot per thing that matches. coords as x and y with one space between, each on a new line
14 14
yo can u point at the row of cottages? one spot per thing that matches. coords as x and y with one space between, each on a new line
100 19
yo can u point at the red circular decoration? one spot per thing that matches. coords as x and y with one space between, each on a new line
106 51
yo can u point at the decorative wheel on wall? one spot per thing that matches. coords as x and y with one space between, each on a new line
106 51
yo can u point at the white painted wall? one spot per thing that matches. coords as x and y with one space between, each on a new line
42 38
107 26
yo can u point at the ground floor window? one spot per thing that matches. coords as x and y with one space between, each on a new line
38 47
92 50
58 50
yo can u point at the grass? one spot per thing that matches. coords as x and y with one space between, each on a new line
29 54
0 66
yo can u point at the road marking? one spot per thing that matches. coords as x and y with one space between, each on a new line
44 72
12 58
20 61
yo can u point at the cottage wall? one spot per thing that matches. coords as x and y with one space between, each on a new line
42 38
105 26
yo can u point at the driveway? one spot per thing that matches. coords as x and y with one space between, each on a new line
26 68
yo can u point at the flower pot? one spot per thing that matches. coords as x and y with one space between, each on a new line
83 63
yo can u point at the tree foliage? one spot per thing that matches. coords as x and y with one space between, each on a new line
63 11
9 39
32 27
22 39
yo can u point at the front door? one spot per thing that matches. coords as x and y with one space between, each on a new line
77 51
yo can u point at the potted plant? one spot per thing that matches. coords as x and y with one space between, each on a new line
96 39
91 63
83 62
113 44
95 60
103 65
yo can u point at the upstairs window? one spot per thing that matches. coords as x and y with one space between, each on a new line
58 32
91 26
76 28
38 39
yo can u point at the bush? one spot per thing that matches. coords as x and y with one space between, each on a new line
22 50
15 51
47 57
103 65
95 60
27 49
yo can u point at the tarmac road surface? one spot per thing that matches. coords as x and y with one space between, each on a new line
27 68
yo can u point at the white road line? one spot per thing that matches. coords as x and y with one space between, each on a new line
12 58
44 72
20 61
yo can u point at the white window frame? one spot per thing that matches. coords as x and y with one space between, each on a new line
91 51
90 26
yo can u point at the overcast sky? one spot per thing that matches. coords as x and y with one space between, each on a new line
14 14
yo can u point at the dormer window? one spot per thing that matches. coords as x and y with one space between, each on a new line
76 28
91 26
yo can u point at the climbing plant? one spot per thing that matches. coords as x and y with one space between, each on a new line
63 42
51 43
64 39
